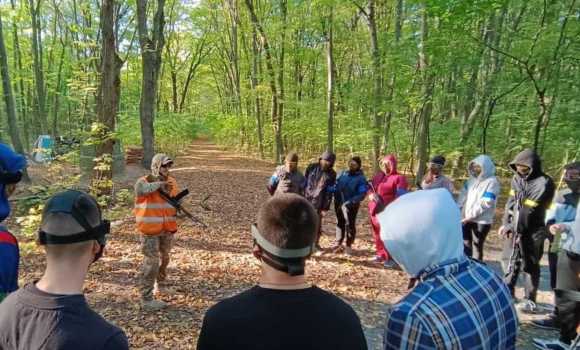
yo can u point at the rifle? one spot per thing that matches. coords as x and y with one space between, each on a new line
174 201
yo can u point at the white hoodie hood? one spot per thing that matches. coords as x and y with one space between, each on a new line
422 229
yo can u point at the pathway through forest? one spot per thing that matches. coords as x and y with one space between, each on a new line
212 264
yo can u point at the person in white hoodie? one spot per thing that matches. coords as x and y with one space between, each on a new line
477 202
459 303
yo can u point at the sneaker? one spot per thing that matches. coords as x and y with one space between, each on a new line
526 306
336 248
152 305
550 323
164 290
348 251
389 263
377 259
553 344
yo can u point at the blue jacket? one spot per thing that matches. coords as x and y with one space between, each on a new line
9 263
9 257
350 187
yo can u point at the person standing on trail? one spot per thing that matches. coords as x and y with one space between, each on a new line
287 178
459 303
529 198
435 178
52 313
156 220
10 175
563 210
351 187
567 282
387 186
477 202
319 181
283 312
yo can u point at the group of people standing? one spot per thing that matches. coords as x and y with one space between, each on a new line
320 184
421 232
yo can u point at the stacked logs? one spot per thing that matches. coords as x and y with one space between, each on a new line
133 154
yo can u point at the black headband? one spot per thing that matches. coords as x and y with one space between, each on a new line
67 205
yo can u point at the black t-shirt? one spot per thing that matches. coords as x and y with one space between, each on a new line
33 319
267 319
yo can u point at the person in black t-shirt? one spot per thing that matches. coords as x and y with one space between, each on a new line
283 311
52 313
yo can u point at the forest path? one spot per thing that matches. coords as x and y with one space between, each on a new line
216 263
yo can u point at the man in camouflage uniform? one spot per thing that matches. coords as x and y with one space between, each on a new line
156 220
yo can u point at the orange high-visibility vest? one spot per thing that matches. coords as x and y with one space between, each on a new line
153 214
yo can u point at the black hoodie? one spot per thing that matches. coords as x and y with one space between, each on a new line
320 184
529 197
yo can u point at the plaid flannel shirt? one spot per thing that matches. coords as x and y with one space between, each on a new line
460 304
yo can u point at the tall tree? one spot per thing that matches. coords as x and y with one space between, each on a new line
151 51
426 93
330 84
9 100
38 70
109 91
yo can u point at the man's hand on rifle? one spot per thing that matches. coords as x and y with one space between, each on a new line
164 186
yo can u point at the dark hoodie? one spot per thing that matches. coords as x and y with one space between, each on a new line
529 197
320 184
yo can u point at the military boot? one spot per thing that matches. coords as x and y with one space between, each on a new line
152 305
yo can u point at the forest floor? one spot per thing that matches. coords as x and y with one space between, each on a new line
216 263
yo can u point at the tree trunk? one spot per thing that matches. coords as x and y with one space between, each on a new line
426 92
151 49
276 125
330 69
9 100
109 91
38 72
389 100
254 81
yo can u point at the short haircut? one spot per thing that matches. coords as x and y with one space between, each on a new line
64 224
288 221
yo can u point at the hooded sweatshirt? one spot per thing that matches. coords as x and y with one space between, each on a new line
351 187
459 303
388 186
319 184
11 162
478 197
529 197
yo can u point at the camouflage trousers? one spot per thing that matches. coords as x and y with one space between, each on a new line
154 268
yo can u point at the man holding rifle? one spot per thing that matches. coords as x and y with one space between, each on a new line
530 196
156 220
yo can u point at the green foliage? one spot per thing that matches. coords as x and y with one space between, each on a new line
174 132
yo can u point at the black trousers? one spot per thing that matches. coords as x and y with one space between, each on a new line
568 279
345 226
474 235
523 257
553 266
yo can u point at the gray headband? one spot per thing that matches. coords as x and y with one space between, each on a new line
277 251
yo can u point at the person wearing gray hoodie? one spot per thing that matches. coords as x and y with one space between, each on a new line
459 303
477 202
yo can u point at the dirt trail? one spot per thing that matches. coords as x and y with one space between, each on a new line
209 265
